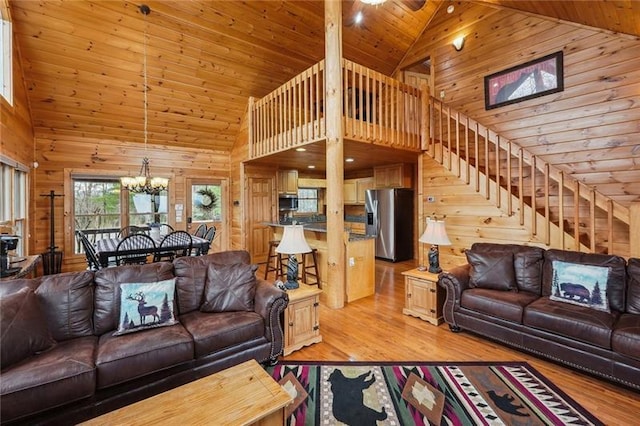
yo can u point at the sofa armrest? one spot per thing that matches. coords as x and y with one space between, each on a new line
270 303
454 281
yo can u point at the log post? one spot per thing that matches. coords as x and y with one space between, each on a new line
634 229
334 291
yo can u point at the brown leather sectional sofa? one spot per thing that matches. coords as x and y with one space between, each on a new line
86 370
537 301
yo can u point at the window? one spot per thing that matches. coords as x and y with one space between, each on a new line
100 210
13 203
6 65
308 200
205 200
146 208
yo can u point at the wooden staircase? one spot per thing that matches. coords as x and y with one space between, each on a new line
559 211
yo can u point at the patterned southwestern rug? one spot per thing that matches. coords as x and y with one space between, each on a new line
424 393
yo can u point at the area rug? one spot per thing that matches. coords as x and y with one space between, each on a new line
423 393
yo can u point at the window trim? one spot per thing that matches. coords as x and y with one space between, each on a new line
6 61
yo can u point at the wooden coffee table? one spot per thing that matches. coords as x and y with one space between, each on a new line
241 395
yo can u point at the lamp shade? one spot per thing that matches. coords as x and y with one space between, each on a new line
435 233
293 241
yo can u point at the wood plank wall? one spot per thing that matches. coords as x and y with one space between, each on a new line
469 216
58 156
589 130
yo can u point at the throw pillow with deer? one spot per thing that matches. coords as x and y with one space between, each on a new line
146 305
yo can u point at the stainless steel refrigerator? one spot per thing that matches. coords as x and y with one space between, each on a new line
390 219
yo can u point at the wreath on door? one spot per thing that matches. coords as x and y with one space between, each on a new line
208 200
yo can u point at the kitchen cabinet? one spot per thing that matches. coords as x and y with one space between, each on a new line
361 268
350 194
361 191
423 297
393 176
355 190
288 182
312 183
302 318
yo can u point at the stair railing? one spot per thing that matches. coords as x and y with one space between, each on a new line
518 181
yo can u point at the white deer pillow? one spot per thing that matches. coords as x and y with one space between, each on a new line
146 305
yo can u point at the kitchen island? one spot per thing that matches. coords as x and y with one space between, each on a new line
359 257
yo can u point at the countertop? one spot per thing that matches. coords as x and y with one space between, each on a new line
322 227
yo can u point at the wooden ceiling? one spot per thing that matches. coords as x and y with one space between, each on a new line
83 60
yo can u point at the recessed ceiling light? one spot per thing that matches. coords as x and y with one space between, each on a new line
450 9
301 149
358 18
349 160
311 167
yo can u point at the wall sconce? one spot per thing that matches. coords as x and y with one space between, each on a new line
458 43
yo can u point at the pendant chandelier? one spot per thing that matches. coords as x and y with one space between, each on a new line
144 183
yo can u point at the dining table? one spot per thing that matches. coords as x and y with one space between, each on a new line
106 248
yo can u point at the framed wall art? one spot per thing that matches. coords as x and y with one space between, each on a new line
535 78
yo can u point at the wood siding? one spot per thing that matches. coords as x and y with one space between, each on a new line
589 130
58 158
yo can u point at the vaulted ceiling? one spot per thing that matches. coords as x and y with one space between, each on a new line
83 60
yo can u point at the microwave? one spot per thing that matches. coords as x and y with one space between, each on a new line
287 203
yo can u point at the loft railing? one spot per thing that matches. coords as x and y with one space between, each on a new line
377 109
518 181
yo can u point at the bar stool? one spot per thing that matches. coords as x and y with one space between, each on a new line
310 268
274 261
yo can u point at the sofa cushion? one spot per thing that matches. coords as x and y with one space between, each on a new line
215 331
106 315
491 270
23 328
122 358
146 305
633 292
67 300
584 285
616 282
229 287
64 374
191 274
573 321
626 336
526 268
508 305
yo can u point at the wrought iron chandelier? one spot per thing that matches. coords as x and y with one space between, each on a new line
144 183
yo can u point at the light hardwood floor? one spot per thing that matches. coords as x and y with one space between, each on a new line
374 329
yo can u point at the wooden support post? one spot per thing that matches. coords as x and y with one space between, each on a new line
334 292
634 229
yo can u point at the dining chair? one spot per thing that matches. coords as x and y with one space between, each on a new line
93 263
200 230
166 229
180 243
209 235
142 243
131 230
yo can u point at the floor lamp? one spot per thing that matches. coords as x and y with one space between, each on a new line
436 235
293 242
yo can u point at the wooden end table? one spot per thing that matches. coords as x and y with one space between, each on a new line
302 318
241 395
423 298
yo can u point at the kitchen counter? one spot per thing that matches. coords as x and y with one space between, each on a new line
359 258
322 227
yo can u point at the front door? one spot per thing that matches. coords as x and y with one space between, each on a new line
205 204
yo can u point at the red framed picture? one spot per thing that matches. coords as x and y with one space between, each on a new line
526 81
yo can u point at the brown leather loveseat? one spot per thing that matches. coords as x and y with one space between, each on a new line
578 309
76 345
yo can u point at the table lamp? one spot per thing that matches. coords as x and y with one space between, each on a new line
292 243
436 235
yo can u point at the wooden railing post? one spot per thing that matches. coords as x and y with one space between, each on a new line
425 120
